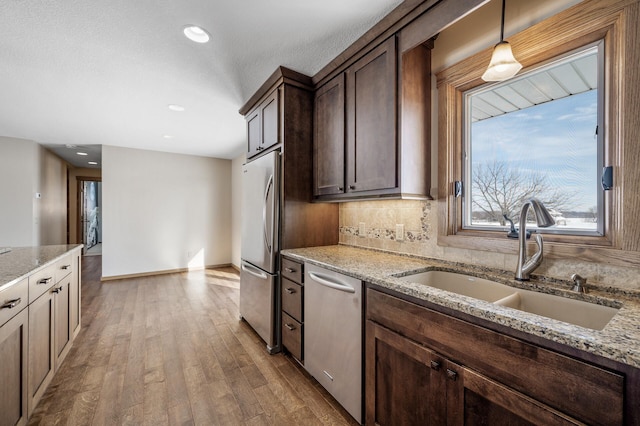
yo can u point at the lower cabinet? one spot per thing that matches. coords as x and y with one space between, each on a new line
426 367
42 360
13 370
62 320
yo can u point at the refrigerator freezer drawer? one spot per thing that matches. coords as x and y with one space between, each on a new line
258 303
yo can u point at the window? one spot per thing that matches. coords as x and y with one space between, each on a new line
610 28
536 135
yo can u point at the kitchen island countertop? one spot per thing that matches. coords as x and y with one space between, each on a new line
23 261
618 341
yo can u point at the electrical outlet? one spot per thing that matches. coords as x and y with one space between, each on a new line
362 229
399 232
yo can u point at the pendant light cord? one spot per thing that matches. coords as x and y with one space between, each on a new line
502 23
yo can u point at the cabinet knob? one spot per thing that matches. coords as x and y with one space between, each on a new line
65 267
435 365
289 290
452 374
57 290
340 188
352 187
45 281
290 327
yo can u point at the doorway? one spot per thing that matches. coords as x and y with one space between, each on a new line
90 215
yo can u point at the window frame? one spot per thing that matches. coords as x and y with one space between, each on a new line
467 171
578 26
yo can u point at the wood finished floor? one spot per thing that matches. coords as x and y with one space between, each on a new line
171 350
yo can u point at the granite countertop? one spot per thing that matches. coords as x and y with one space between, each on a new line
619 340
23 261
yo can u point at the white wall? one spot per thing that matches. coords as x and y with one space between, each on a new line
236 205
18 185
164 211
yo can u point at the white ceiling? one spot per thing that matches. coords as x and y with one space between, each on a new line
102 72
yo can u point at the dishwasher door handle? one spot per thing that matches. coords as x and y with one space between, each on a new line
329 282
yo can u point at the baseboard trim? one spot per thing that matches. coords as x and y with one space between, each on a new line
164 272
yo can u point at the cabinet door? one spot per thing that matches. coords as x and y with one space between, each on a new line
62 317
485 401
13 370
75 295
405 384
41 347
253 133
270 119
328 141
371 120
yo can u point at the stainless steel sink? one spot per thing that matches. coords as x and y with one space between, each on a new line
577 312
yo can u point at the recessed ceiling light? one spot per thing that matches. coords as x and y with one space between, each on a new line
177 108
93 163
167 136
82 153
196 33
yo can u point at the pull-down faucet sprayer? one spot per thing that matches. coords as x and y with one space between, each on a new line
544 220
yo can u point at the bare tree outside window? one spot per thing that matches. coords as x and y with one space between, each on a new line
502 190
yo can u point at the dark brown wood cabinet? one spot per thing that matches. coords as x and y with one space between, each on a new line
292 292
263 125
426 367
329 138
371 137
371 121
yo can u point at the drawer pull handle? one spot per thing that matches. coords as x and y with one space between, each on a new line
45 280
352 187
65 267
11 303
289 326
452 375
435 365
289 290
289 270
57 290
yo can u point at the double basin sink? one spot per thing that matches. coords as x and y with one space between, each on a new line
576 312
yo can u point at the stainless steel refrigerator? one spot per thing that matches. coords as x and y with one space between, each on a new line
259 280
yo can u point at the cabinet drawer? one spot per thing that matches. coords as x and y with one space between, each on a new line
292 335
64 267
13 299
292 270
41 281
547 376
292 299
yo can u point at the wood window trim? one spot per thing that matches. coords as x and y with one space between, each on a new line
613 21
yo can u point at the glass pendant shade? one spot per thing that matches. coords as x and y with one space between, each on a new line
503 65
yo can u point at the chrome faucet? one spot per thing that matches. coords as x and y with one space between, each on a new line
544 220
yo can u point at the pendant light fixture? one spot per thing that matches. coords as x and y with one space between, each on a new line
503 65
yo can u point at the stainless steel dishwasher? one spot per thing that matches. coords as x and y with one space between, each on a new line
333 335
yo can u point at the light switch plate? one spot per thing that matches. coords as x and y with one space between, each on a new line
362 229
399 232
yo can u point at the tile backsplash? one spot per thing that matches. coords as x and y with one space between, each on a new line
420 227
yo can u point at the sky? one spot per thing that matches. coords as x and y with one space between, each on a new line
557 138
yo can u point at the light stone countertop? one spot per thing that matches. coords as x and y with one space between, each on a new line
23 261
619 340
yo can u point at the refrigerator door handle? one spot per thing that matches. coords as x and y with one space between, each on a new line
253 271
268 244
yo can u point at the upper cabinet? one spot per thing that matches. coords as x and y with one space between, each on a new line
361 150
262 125
328 141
